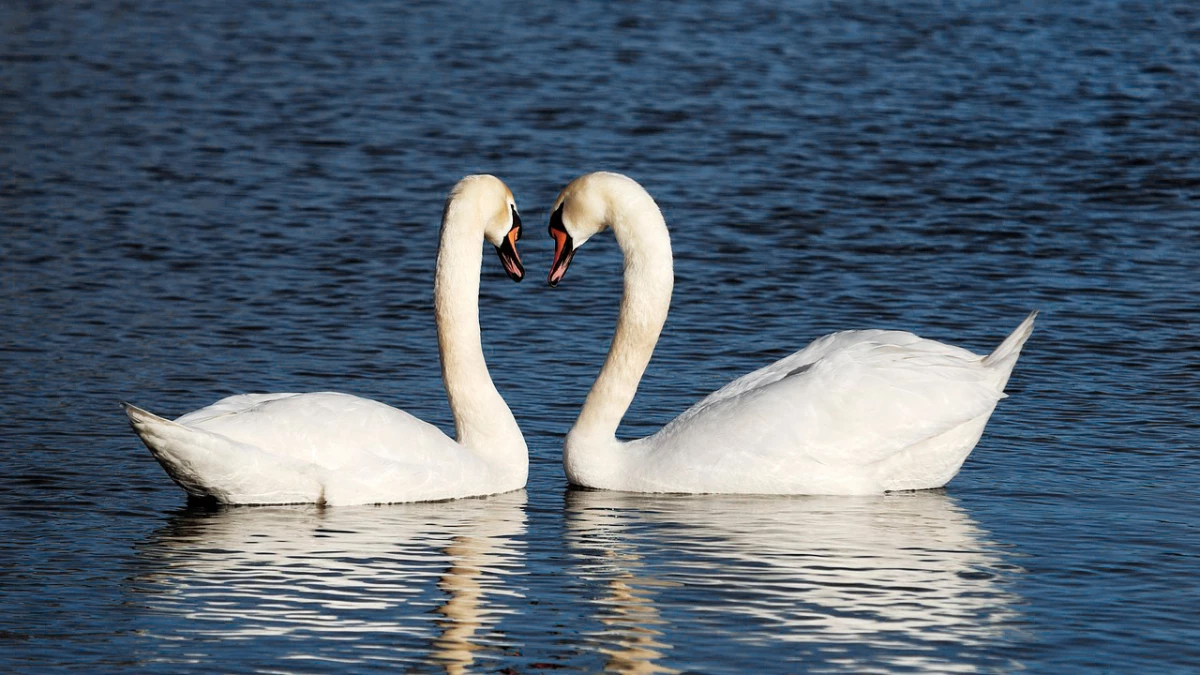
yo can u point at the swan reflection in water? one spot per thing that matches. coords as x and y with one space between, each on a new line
900 581
402 584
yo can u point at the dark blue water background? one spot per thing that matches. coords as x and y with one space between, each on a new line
214 198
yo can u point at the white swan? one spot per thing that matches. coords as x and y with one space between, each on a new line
856 412
332 448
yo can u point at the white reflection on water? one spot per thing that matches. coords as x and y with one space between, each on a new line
898 582
396 584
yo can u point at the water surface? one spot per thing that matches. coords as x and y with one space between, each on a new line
212 199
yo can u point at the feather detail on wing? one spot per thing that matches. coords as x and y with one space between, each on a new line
853 398
329 429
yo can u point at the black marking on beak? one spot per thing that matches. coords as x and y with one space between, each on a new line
564 248
507 250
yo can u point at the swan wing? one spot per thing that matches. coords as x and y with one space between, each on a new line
329 429
800 361
852 398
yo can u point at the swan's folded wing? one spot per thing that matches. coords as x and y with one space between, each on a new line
799 361
329 429
230 405
862 400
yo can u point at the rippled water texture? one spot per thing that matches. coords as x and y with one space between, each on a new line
207 198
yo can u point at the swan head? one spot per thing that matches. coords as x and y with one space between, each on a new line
497 210
585 207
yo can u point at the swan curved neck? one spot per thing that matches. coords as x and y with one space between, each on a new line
482 420
642 234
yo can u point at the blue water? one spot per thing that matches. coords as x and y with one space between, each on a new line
216 198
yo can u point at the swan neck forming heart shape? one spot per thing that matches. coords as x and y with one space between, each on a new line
483 421
641 232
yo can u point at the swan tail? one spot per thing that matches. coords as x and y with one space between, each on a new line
1004 357
201 462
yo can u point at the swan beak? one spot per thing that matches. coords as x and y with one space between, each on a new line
507 251
564 249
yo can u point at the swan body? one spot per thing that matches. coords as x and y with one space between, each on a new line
854 412
332 448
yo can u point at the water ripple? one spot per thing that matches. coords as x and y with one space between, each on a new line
437 576
902 583
209 198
